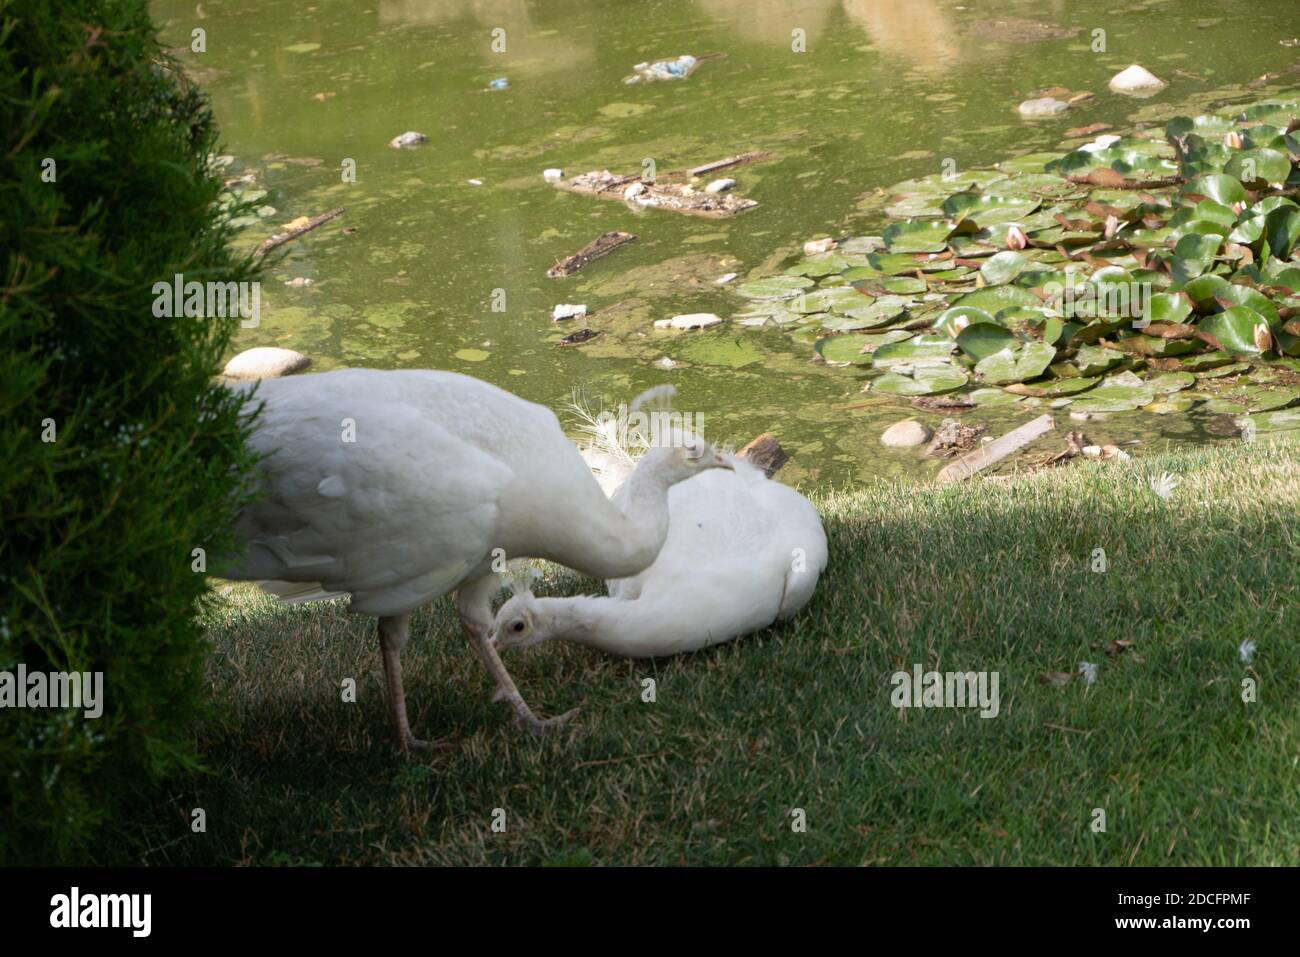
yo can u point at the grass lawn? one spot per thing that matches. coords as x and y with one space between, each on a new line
985 576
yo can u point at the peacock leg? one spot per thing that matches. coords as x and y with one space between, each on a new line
394 631
475 600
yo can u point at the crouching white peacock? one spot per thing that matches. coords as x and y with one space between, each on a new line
742 552
398 487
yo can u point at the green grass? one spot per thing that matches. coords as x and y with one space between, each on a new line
985 576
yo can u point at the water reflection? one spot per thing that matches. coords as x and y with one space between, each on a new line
920 31
528 47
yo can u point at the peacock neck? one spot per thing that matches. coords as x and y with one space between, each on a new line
614 542
606 624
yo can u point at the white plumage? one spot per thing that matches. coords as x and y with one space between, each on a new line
397 487
742 552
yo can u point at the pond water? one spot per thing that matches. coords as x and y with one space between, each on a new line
883 92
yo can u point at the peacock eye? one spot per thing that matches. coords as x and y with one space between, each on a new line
517 627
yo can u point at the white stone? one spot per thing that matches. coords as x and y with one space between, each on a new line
663 323
720 185
552 175
1044 106
407 140
665 363
298 282
724 279
1136 81
266 362
634 190
695 320
905 434
568 311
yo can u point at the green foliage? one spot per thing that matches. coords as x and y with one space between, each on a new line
148 461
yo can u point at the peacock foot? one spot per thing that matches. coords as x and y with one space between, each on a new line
412 746
526 719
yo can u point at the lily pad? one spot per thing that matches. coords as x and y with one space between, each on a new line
958 318
846 350
1016 365
1218 187
1003 267
924 380
1170 382
979 340
775 287
1115 397
919 349
1241 331
917 236
1092 360
986 209
995 298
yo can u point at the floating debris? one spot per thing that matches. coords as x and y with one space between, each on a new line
997 450
602 245
671 68
567 311
694 320
407 140
293 230
500 83
672 190
1092 129
661 193
579 337
953 438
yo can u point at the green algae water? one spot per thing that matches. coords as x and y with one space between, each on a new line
440 260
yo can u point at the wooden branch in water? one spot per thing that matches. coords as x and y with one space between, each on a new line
279 239
603 245
766 453
997 450
737 160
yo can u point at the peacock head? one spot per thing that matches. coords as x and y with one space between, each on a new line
681 456
520 623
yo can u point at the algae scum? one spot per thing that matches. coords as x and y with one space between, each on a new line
441 257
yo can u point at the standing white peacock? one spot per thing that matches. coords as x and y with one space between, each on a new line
742 552
398 487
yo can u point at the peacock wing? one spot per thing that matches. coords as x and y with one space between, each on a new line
382 502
